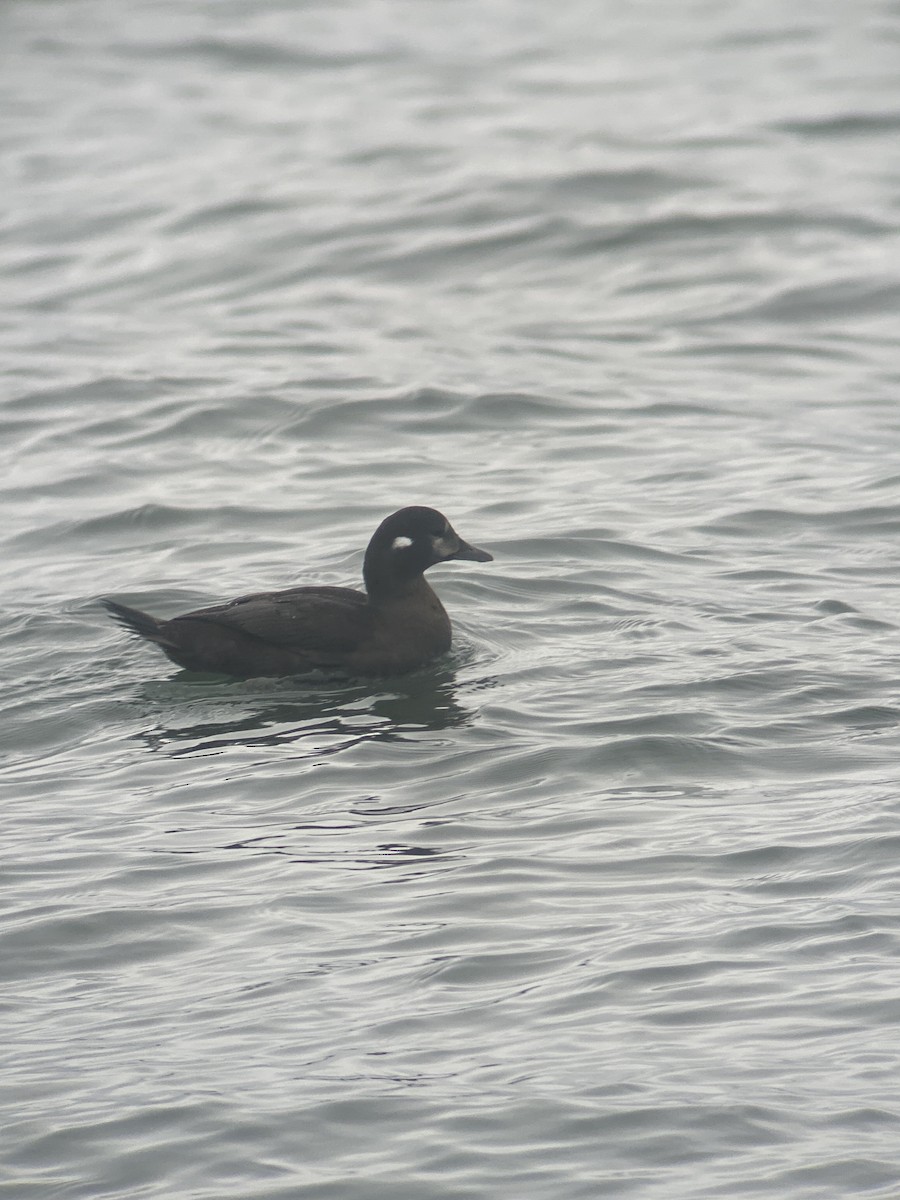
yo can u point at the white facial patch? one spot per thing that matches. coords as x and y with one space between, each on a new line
444 546
400 543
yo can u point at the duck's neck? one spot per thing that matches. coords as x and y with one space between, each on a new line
384 586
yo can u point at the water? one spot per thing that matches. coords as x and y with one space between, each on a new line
605 903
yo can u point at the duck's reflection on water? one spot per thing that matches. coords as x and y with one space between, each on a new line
203 715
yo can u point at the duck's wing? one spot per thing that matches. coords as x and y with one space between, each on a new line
321 624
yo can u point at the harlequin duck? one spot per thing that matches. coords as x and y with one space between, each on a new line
397 624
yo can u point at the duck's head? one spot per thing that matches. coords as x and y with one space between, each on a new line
410 541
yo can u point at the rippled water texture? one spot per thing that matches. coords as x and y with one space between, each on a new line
605 903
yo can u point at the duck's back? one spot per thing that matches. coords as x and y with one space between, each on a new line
308 629
272 633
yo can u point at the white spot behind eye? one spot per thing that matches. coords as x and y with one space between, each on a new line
443 546
400 543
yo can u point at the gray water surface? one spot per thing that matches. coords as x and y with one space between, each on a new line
604 903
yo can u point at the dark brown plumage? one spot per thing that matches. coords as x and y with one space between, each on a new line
397 624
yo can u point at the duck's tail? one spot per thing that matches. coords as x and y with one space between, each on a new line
135 621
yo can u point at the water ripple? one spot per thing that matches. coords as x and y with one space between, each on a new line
604 902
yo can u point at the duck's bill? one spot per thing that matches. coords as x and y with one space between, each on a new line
471 553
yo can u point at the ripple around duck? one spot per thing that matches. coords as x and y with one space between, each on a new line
844 125
432 410
837 301
870 518
616 186
58 943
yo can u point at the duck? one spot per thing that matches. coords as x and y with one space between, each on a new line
395 626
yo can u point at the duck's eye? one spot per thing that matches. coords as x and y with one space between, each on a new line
400 543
